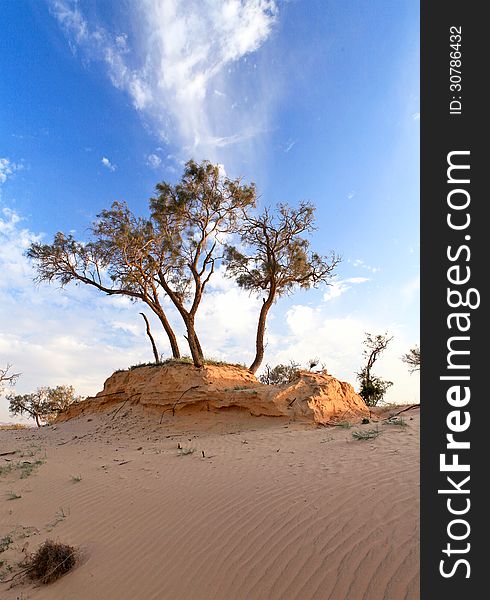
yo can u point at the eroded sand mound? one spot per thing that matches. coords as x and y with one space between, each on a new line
176 387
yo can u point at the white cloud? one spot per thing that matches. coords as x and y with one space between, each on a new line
183 52
154 161
416 116
339 287
351 195
360 263
107 163
7 169
290 145
338 343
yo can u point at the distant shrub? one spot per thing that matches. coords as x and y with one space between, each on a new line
280 374
370 434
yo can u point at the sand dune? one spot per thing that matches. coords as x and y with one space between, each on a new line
273 510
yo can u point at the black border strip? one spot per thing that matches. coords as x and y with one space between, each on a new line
442 133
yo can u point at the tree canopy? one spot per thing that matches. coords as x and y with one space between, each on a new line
205 220
274 258
172 253
412 359
43 405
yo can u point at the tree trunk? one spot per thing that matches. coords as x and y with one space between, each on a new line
148 333
194 345
36 416
170 334
259 343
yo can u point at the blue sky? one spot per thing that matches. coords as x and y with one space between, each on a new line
311 100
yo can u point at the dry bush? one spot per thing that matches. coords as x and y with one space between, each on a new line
51 561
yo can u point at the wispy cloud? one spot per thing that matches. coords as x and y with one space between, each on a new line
337 288
7 169
153 161
290 145
178 68
351 195
107 164
361 264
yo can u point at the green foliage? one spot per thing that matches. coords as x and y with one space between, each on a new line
27 467
369 434
172 253
280 374
185 451
5 543
373 388
412 359
398 421
45 404
274 258
278 257
184 360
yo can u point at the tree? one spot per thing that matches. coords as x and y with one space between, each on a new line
7 377
115 261
45 404
195 216
276 260
172 253
412 359
373 388
280 374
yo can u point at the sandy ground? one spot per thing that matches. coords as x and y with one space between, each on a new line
273 510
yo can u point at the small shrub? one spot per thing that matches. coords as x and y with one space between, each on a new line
4 469
370 434
184 360
76 478
13 496
27 468
5 543
186 451
399 421
51 561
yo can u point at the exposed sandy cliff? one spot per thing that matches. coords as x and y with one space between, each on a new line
175 387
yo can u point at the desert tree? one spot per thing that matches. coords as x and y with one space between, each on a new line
197 215
170 254
274 259
44 404
412 359
7 377
373 388
115 261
